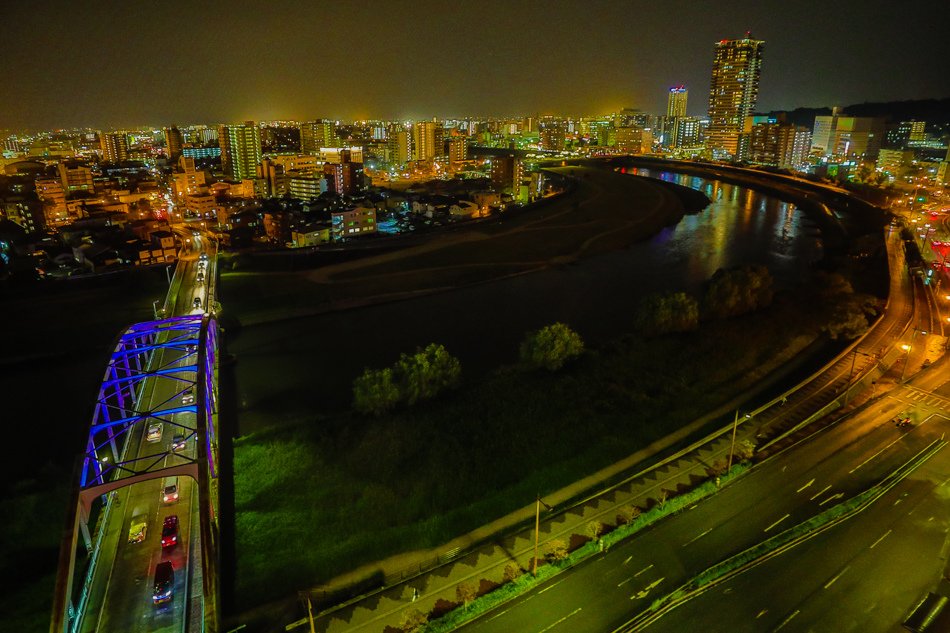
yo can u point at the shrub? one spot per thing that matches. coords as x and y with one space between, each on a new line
427 373
375 392
670 312
737 291
550 347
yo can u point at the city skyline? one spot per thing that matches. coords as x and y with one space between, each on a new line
421 60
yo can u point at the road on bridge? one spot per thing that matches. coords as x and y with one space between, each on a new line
121 593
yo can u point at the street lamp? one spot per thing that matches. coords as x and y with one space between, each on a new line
537 526
732 447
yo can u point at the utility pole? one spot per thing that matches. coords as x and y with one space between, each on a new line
537 526
732 447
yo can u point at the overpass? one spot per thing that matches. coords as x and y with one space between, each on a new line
145 489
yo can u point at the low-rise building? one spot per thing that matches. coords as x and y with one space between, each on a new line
353 222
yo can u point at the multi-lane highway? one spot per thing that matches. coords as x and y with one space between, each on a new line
123 596
609 591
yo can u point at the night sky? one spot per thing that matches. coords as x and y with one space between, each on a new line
104 64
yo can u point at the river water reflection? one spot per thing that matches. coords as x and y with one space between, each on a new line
292 367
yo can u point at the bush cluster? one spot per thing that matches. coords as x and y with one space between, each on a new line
415 377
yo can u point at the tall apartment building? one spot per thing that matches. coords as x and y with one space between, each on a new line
317 134
676 102
733 93
424 140
552 137
458 149
506 174
114 146
240 149
174 141
399 145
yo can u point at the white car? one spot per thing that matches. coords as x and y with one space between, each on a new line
154 432
170 493
189 396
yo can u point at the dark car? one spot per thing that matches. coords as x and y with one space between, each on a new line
170 531
164 583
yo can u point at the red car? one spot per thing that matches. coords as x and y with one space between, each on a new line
170 531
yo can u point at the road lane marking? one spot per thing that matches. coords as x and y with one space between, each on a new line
643 593
622 583
821 492
776 523
883 536
761 613
875 455
629 558
832 498
548 628
832 581
696 538
497 615
786 620
551 586
806 485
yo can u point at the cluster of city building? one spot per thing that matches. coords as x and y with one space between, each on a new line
93 199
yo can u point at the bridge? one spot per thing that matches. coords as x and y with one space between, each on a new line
145 499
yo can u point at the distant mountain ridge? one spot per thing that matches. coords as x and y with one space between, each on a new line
933 111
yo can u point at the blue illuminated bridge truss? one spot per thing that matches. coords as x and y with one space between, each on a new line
176 357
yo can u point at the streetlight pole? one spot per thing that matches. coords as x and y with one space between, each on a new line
732 447
537 525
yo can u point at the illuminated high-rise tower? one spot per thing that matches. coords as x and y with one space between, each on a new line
240 149
173 143
316 135
676 105
732 93
114 146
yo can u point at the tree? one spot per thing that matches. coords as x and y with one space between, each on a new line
628 514
374 392
595 529
426 373
670 312
556 551
550 347
737 291
465 592
512 572
413 620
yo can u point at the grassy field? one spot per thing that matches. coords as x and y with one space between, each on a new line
321 497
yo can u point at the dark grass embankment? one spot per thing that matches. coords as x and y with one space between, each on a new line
321 497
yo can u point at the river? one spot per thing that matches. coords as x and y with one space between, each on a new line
287 370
